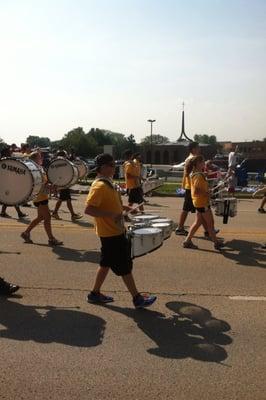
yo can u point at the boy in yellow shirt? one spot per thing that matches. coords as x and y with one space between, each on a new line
105 205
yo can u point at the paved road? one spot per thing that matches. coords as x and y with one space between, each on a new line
205 336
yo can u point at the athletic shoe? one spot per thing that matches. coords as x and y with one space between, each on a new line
263 246
22 215
56 216
142 301
54 242
206 234
262 211
76 216
26 237
99 298
189 245
181 232
7 288
218 245
5 215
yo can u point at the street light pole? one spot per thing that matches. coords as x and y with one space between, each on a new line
151 122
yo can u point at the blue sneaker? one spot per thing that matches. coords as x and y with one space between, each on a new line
141 301
99 298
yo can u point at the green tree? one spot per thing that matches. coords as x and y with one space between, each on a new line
207 139
77 140
156 139
2 144
37 141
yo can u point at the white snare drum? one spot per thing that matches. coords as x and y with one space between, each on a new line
144 218
20 181
166 228
138 225
62 173
163 221
83 168
145 240
222 204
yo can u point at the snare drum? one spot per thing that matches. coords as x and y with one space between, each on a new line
226 207
83 168
145 240
62 173
166 228
144 218
163 221
20 181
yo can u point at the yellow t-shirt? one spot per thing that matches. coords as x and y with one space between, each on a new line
43 194
106 198
199 181
132 169
186 184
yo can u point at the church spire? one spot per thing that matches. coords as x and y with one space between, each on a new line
183 135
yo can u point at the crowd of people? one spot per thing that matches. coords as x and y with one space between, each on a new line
105 205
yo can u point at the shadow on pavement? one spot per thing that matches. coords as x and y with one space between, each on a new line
50 324
245 253
69 254
191 332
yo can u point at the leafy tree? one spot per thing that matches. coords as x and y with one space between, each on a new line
77 140
156 139
207 139
2 144
37 141
131 143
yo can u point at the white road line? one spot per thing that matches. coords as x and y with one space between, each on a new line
248 298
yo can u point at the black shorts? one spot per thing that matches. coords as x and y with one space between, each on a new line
40 203
116 254
64 194
135 195
202 209
188 204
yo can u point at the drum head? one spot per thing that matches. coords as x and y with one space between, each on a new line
161 225
147 231
82 168
61 172
16 181
161 220
144 217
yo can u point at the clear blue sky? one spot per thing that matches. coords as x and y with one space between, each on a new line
113 64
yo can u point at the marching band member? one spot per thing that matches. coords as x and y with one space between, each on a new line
43 212
65 195
133 182
201 201
105 205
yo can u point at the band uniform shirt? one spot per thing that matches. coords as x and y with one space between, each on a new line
105 197
43 194
132 169
199 181
186 184
232 159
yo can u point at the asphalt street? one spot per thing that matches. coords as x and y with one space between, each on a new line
203 338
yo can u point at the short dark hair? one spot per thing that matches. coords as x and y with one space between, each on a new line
128 153
192 146
102 159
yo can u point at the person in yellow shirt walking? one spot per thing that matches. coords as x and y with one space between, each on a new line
41 202
105 205
201 201
132 170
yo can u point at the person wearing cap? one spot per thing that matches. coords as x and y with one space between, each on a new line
105 205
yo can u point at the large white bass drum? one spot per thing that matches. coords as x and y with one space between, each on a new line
20 181
145 240
62 173
83 168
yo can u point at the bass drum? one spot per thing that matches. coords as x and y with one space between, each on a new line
62 173
20 181
83 168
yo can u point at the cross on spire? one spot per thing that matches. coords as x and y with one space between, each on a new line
183 135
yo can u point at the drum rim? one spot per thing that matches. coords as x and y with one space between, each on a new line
73 166
23 162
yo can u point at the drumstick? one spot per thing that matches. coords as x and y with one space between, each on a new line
133 209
